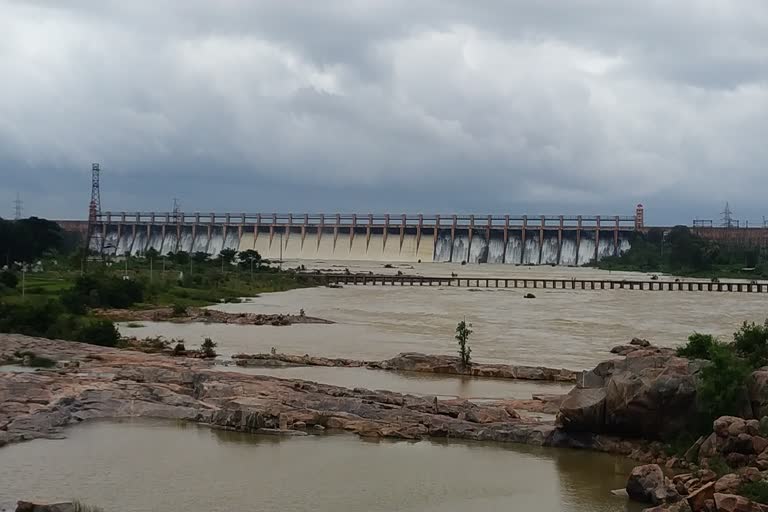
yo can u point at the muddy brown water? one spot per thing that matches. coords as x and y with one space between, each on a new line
559 328
444 386
148 466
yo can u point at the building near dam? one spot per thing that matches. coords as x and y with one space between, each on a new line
505 239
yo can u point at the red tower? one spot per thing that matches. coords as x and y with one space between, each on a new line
639 214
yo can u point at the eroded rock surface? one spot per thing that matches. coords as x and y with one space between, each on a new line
416 362
110 383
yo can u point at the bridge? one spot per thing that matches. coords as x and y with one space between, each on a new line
546 283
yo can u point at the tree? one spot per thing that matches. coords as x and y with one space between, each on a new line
228 255
9 279
463 331
200 257
208 348
152 254
247 257
180 258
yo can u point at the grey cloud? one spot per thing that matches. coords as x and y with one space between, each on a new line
556 107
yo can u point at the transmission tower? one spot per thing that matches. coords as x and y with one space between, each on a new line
727 216
176 210
95 238
17 204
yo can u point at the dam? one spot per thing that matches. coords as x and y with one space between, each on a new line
500 239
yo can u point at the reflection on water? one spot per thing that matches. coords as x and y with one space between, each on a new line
560 328
411 383
152 466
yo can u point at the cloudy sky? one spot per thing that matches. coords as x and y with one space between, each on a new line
487 106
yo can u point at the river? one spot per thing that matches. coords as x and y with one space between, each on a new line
148 466
559 328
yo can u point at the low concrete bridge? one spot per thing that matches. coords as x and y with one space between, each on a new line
546 283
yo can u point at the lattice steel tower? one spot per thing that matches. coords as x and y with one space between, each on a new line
17 204
95 239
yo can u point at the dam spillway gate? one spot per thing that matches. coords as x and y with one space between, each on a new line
517 240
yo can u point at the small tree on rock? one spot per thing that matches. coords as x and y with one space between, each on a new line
463 330
208 348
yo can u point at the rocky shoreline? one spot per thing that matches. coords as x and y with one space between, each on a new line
93 382
414 362
191 315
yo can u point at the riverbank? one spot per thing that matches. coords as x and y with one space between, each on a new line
194 314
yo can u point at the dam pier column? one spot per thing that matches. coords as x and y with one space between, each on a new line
288 230
402 231
437 231
616 237
578 238
368 231
304 230
256 229
560 239
386 232
522 239
541 237
352 230
418 232
506 239
597 237
453 234
320 229
272 227
336 230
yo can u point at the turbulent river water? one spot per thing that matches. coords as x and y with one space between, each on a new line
560 328
148 466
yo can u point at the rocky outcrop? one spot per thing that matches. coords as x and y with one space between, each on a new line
415 362
648 394
737 441
734 503
647 484
26 506
112 383
205 315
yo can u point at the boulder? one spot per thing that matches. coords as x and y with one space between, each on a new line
728 483
639 342
734 503
680 506
648 394
725 426
26 506
698 498
757 390
647 484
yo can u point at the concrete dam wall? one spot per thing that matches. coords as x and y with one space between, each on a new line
518 240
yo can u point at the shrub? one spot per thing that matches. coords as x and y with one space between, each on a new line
755 491
751 342
179 349
179 310
463 331
110 292
721 389
8 279
99 332
208 348
698 346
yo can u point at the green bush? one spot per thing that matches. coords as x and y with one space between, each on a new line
179 310
463 331
755 491
751 343
105 292
698 346
721 388
208 348
99 332
8 279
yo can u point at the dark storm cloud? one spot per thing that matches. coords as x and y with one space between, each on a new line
579 106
